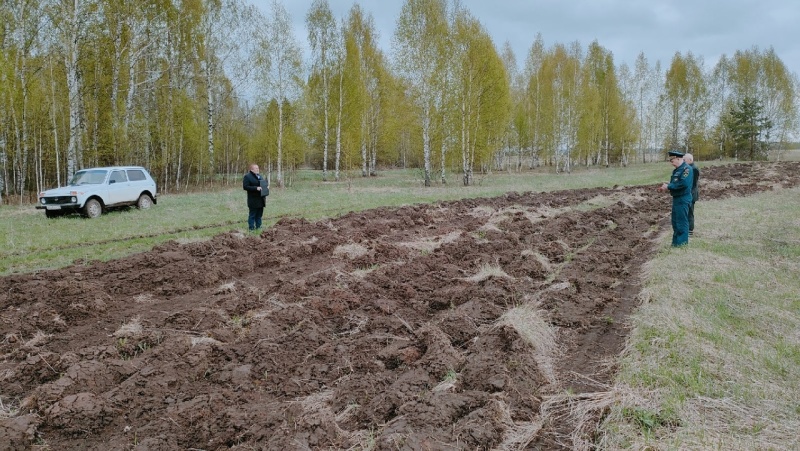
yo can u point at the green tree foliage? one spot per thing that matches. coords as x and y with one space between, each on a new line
776 90
749 129
351 101
517 130
368 72
533 103
482 95
267 125
193 89
401 131
561 93
755 78
420 41
326 53
598 83
687 96
279 72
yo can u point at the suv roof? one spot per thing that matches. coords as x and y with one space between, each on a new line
111 167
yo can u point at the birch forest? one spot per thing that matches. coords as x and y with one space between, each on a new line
196 90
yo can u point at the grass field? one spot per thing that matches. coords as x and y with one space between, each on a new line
31 242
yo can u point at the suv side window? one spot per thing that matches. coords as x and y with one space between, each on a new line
136 175
118 177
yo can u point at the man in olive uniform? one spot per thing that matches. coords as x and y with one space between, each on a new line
689 159
680 187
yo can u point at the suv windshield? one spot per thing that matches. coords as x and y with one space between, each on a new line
91 177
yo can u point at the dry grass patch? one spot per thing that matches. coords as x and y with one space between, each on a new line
130 329
190 240
606 200
532 325
316 409
203 341
488 271
520 435
585 409
8 410
482 211
545 212
57 319
362 272
430 244
226 288
535 215
541 258
350 250
263 314
38 339
144 298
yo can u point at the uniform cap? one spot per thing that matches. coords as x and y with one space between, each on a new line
676 153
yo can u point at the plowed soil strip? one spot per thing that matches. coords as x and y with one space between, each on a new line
440 326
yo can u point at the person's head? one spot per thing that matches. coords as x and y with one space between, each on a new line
254 168
688 158
676 158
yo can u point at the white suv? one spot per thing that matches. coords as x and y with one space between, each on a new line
92 191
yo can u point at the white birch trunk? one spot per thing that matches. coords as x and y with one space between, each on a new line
426 144
115 74
364 138
339 127
443 151
23 157
4 165
326 139
280 144
53 110
464 142
73 89
374 118
180 162
210 126
373 170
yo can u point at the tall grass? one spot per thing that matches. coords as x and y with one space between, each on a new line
714 358
29 241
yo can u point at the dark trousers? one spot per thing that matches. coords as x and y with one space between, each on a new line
254 218
680 221
691 216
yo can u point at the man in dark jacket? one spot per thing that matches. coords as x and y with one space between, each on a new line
257 190
680 187
689 159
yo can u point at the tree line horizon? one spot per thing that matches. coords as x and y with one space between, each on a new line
196 90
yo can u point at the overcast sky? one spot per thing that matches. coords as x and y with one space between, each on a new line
659 28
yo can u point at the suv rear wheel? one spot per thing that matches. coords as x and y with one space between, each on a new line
92 209
144 202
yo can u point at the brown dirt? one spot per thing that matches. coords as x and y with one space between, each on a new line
440 326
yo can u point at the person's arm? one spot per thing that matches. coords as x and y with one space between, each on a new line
696 184
247 184
683 181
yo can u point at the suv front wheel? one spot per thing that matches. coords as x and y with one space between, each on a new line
92 209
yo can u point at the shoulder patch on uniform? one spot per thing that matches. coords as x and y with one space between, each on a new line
686 172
